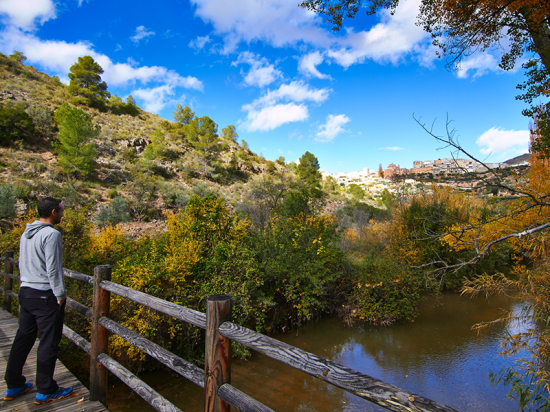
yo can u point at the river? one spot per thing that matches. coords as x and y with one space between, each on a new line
437 356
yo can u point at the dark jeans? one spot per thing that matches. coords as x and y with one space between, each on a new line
39 312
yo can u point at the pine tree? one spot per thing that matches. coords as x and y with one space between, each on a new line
76 149
86 81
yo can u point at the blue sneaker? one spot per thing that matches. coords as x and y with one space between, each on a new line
59 394
11 394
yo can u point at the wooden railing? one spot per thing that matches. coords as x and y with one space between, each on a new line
215 379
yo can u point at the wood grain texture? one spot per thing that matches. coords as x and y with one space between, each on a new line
12 276
177 364
364 386
77 339
147 393
78 276
100 335
14 262
179 312
217 356
241 400
80 308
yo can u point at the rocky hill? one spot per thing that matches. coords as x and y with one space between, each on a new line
29 163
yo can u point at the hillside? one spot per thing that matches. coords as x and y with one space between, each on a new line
30 164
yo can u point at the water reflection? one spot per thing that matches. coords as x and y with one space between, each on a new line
438 356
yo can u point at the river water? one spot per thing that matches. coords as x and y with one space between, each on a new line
437 356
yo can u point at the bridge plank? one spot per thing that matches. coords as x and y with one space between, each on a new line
8 328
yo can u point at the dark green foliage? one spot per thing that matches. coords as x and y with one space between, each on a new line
384 291
302 266
116 212
183 115
356 191
230 133
7 201
42 119
75 146
308 169
15 123
86 82
18 56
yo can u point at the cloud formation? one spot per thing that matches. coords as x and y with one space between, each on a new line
141 33
506 142
392 148
332 128
199 42
278 107
281 23
308 65
261 72
25 14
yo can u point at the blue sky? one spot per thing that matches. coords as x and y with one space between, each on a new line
281 75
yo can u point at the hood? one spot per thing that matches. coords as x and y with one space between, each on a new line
35 227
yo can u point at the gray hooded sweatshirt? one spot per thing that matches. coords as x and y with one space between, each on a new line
41 259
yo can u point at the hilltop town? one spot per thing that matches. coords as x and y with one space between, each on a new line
459 173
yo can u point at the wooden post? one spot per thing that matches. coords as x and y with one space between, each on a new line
100 336
8 282
217 364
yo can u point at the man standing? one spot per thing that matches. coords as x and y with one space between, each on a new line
42 299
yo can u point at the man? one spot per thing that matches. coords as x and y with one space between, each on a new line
42 297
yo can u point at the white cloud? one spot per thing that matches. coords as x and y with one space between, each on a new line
271 117
199 42
281 23
388 41
479 63
332 128
269 112
141 33
24 14
294 91
308 65
392 148
261 72
156 98
505 142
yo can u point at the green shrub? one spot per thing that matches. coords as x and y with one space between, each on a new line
384 291
7 201
116 212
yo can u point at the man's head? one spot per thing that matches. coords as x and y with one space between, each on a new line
51 210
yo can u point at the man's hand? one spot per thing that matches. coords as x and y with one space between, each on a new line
60 302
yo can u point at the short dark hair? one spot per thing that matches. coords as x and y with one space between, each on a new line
47 205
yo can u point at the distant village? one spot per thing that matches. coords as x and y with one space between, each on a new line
375 182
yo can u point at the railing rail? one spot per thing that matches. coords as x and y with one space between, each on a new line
220 331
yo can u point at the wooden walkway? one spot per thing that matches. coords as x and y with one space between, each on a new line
79 402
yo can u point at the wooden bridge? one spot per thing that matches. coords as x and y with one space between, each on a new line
215 379
80 401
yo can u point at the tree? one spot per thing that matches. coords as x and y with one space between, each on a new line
230 133
15 123
183 115
308 170
204 138
18 56
86 81
356 191
75 147
380 170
